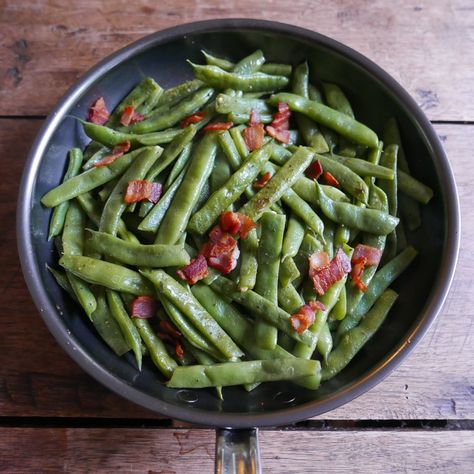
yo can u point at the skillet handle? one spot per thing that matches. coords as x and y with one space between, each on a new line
237 451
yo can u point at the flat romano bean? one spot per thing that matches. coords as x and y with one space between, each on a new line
116 205
238 373
110 275
364 219
187 303
176 218
138 254
282 180
157 350
248 261
158 120
128 329
222 198
220 79
261 307
91 179
341 123
356 338
272 227
59 213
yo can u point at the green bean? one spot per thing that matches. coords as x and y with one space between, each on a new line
239 143
226 104
379 283
115 205
203 195
364 168
171 152
268 256
90 179
261 307
341 123
357 337
110 275
230 191
192 309
135 98
238 373
129 331
59 213
157 350
138 254
220 173
339 310
228 147
309 245
159 138
288 271
107 189
368 220
108 136
342 236
336 99
413 188
278 184
328 235
289 299
242 118
325 342
249 264
179 165
220 79
158 120
107 327
189 332
175 94
176 218
249 64
62 281
293 237
304 187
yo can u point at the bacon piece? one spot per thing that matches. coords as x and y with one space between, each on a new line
282 136
260 183
129 116
194 118
314 170
317 305
178 349
371 254
221 250
281 119
98 112
170 329
330 180
235 222
324 277
194 271
225 262
358 266
141 189
117 151
303 318
143 307
319 260
253 136
254 118
218 126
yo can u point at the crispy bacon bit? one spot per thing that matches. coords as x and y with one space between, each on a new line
254 118
317 305
226 261
218 126
260 183
330 180
169 329
281 120
98 112
221 250
194 118
324 277
129 116
314 170
143 307
117 151
302 319
358 266
282 136
371 254
195 271
171 335
178 349
141 189
235 222
319 260
253 136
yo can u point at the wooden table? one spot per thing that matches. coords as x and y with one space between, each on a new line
54 417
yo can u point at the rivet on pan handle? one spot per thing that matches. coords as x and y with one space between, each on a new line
237 451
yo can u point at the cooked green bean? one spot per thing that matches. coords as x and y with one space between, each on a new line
249 264
325 342
293 237
240 105
288 271
413 188
364 168
356 338
239 142
238 118
177 93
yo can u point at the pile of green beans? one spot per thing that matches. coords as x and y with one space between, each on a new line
235 329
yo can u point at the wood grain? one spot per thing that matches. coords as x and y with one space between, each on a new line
426 45
38 379
192 451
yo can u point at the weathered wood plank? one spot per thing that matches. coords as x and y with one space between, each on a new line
170 451
38 379
425 45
